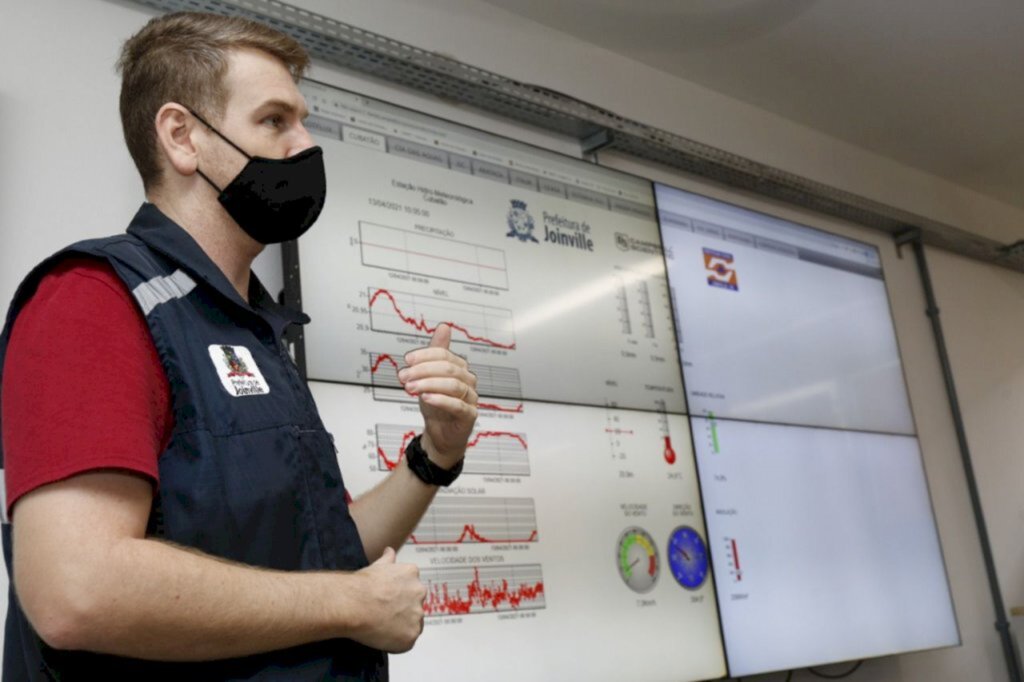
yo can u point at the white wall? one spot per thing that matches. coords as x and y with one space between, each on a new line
65 175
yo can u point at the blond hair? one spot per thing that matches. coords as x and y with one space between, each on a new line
182 57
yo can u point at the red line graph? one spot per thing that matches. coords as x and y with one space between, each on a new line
496 434
422 325
414 253
500 408
463 520
469 534
383 357
477 594
392 382
391 463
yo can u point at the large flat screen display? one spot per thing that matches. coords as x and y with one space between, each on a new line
573 546
819 518
548 269
779 322
823 543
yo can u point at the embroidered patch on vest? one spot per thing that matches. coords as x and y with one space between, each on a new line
238 371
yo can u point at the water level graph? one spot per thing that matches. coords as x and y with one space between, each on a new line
488 453
396 312
498 387
392 248
482 589
467 520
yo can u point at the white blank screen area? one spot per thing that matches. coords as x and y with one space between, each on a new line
823 543
794 341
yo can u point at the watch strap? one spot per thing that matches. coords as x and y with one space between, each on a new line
428 472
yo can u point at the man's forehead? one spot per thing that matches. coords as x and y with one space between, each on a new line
255 79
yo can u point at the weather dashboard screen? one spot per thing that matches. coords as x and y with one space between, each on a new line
549 271
577 523
819 519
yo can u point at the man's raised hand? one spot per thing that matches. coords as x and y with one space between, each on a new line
446 389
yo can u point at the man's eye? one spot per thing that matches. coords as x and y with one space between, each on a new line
275 121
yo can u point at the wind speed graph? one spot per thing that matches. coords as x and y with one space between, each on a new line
482 589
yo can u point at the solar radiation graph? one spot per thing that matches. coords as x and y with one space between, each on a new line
499 453
539 262
460 520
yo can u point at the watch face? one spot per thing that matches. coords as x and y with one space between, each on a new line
687 557
637 557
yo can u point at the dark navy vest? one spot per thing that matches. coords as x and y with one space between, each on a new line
249 474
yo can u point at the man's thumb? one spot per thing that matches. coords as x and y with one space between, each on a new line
388 557
442 336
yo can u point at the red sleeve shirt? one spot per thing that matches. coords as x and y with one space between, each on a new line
83 386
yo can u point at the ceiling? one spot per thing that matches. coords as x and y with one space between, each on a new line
935 84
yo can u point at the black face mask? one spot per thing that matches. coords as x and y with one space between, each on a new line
274 200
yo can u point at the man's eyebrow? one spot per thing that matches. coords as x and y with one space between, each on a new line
287 107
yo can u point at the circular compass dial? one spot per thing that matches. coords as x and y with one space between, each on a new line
687 557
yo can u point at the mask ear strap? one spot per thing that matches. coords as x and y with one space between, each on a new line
219 134
203 176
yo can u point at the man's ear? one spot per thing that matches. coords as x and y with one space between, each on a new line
175 127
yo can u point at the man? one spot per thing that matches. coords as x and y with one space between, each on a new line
176 506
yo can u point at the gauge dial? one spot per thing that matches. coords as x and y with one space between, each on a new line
637 557
687 557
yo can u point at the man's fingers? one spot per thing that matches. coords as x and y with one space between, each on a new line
454 407
454 387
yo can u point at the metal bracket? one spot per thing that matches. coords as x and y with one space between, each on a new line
596 142
908 236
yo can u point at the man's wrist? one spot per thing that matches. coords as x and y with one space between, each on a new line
422 459
443 460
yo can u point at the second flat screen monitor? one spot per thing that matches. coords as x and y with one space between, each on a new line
819 518
824 545
779 322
